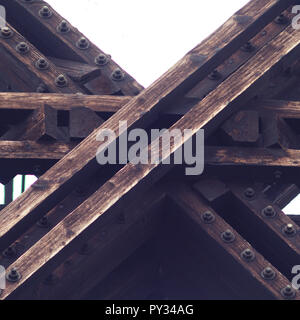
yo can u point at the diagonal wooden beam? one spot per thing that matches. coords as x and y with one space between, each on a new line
44 32
194 207
181 77
25 65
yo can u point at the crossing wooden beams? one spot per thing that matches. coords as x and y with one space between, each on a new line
49 34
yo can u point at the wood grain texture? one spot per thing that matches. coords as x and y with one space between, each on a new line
44 32
194 66
194 206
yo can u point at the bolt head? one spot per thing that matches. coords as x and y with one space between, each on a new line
248 255
63 27
6 32
22 47
269 212
249 193
82 43
288 292
228 236
61 81
268 273
215 75
118 75
208 217
45 12
101 60
13 275
247 47
289 230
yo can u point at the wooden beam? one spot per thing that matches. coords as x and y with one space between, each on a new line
30 77
32 101
264 229
43 32
42 123
194 207
77 71
242 156
188 71
285 109
10 150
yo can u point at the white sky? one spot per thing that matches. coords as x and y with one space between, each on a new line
147 37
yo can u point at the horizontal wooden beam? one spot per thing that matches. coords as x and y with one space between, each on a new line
285 109
241 156
32 101
143 109
34 150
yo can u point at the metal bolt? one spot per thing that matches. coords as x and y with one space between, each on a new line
13 275
247 47
45 12
281 19
42 64
43 222
42 88
101 59
248 255
288 292
63 27
61 81
269 212
268 273
215 75
117 75
289 230
22 47
277 174
6 32
249 193
82 43
10 252
228 236
208 217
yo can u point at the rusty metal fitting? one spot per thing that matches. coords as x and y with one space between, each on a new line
63 27
248 255
269 212
10 252
45 12
288 292
43 222
61 81
13 275
281 19
82 43
249 193
214 75
101 60
247 47
289 230
6 32
228 236
208 217
118 75
268 273
42 64
22 47
42 88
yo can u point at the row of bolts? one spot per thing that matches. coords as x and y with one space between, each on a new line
82 43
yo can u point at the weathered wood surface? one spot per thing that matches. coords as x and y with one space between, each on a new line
42 123
127 178
285 109
44 33
241 156
31 101
266 233
29 76
34 150
79 72
194 207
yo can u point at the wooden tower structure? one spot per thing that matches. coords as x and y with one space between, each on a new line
148 231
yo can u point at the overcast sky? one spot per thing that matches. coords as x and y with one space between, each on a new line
146 38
